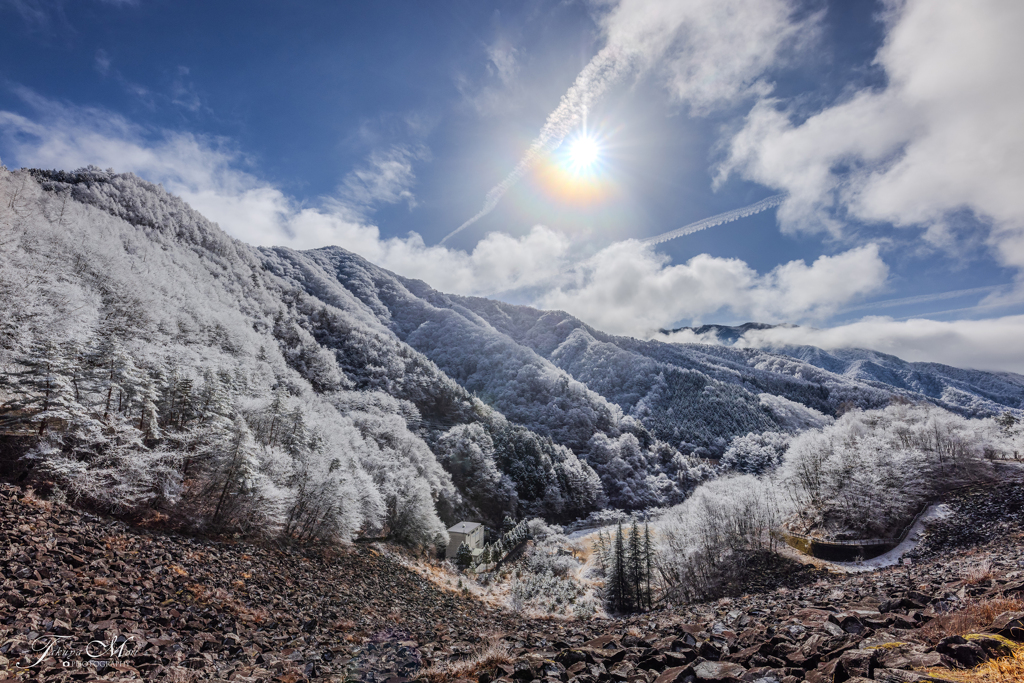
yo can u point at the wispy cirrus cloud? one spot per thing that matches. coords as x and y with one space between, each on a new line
40 13
386 177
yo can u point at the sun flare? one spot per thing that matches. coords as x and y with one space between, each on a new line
583 153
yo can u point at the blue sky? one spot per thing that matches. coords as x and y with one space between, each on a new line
891 130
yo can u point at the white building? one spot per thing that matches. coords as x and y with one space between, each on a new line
470 533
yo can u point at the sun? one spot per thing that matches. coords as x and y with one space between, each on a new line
583 153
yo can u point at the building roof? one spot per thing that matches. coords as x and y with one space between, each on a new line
464 528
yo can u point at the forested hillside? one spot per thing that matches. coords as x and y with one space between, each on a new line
149 363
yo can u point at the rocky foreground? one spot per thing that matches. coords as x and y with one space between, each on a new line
113 601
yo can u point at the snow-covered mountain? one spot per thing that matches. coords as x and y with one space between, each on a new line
152 362
969 392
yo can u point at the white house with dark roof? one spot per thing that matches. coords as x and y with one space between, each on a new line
470 533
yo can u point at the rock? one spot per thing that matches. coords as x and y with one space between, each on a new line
569 657
907 657
621 671
901 676
673 675
962 651
723 672
602 641
709 650
1009 625
522 670
993 646
857 663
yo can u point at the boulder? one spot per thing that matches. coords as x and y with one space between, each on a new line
673 675
901 676
855 663
994 646
965 653
1009 625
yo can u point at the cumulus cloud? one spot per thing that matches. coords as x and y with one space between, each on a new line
709 53
628 288
992 344
942 136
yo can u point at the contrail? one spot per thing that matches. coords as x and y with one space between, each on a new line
727 217
923 298
604 69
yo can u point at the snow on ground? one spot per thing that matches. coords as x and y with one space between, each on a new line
934 512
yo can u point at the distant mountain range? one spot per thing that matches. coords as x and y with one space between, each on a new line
973 393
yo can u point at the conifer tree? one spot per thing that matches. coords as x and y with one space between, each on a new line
648 561
464 558
618 582
601 551
635 568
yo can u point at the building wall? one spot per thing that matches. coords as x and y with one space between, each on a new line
474 540
454 541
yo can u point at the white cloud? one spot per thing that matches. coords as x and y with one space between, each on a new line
710 53
628 288
386 177
502 62
501 92
992 344
943 135
40 12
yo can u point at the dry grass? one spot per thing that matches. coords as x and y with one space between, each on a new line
1002 670
226 601
29 497
488 656
978 573
973 617
970 619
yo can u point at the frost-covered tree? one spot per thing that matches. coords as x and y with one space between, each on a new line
467 454
756 453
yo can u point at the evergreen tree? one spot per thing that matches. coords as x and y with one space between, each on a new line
601 550
43 391
618 581
238 463
648 561
464 558
635 568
